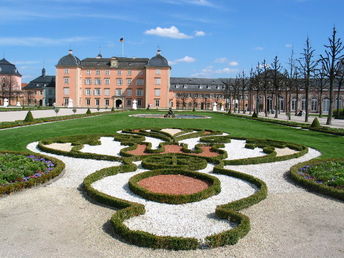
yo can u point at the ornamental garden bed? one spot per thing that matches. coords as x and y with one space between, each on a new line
22 170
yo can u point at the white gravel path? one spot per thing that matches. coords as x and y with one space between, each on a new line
107 146
154 141
273 174
236 150
76 169
192 142
189 220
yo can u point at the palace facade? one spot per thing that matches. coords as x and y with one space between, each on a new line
119 81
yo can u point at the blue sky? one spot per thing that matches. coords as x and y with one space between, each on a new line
200 38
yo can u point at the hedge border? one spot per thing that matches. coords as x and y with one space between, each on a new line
322 129
148 164
9 188
312 186
213 189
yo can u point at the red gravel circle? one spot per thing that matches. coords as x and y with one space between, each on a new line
173 184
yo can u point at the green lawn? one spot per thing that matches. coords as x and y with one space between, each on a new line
18 138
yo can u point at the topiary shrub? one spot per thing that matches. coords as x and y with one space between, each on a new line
254 115
88 112
29 117
315 123
338 115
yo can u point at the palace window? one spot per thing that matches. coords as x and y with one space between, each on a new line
119 81
118 92
107 81
157 92
97 102
128 102
88 72
314 105
129 72
107 92
139 102
97 72
66 91
107 102
97 81
107 72
157 102
88 102
66 101
129 92
66 80
157 71
139 82
139 92
97 91
66 71
88 92
88 81
157 81
119 72
129 81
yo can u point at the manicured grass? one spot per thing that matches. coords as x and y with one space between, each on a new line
16 139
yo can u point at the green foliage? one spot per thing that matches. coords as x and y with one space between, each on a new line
340 115
14 164
216 139
74 110
315 123
29 117
174 161
321 175
213 189
254 115
13 167
56 110
88 112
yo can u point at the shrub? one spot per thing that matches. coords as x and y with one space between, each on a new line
338 115
88 112
74 110
315 123
29 117
254 115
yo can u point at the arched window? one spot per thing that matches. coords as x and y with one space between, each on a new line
281 103
314 105
326 104
293 104
303 104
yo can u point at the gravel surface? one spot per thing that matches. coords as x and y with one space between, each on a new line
177 220
107 146
236 150
57 221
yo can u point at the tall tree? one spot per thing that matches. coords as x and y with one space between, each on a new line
307 65
276 77
340 79
265 86
320 85
290 83
257 85
333 55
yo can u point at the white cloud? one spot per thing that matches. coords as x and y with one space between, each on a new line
233 63
259 48
185 59
199 33
288 45
171 32
39 41
209 71
221 60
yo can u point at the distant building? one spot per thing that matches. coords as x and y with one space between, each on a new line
41 91
10 83
113 82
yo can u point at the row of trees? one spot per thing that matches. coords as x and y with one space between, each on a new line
304 74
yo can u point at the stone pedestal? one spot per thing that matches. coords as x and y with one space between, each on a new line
6 103
18 104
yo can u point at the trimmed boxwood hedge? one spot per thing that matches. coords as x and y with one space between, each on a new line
213 189
216 139
313 186
8 188
174 161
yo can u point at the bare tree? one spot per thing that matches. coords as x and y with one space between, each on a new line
320 86
307 65
333 55
290 83
266 86
257 85
276 77
228 93
340 79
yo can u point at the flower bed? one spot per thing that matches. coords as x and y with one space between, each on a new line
21 170
324 176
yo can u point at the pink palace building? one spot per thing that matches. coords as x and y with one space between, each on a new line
113 82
